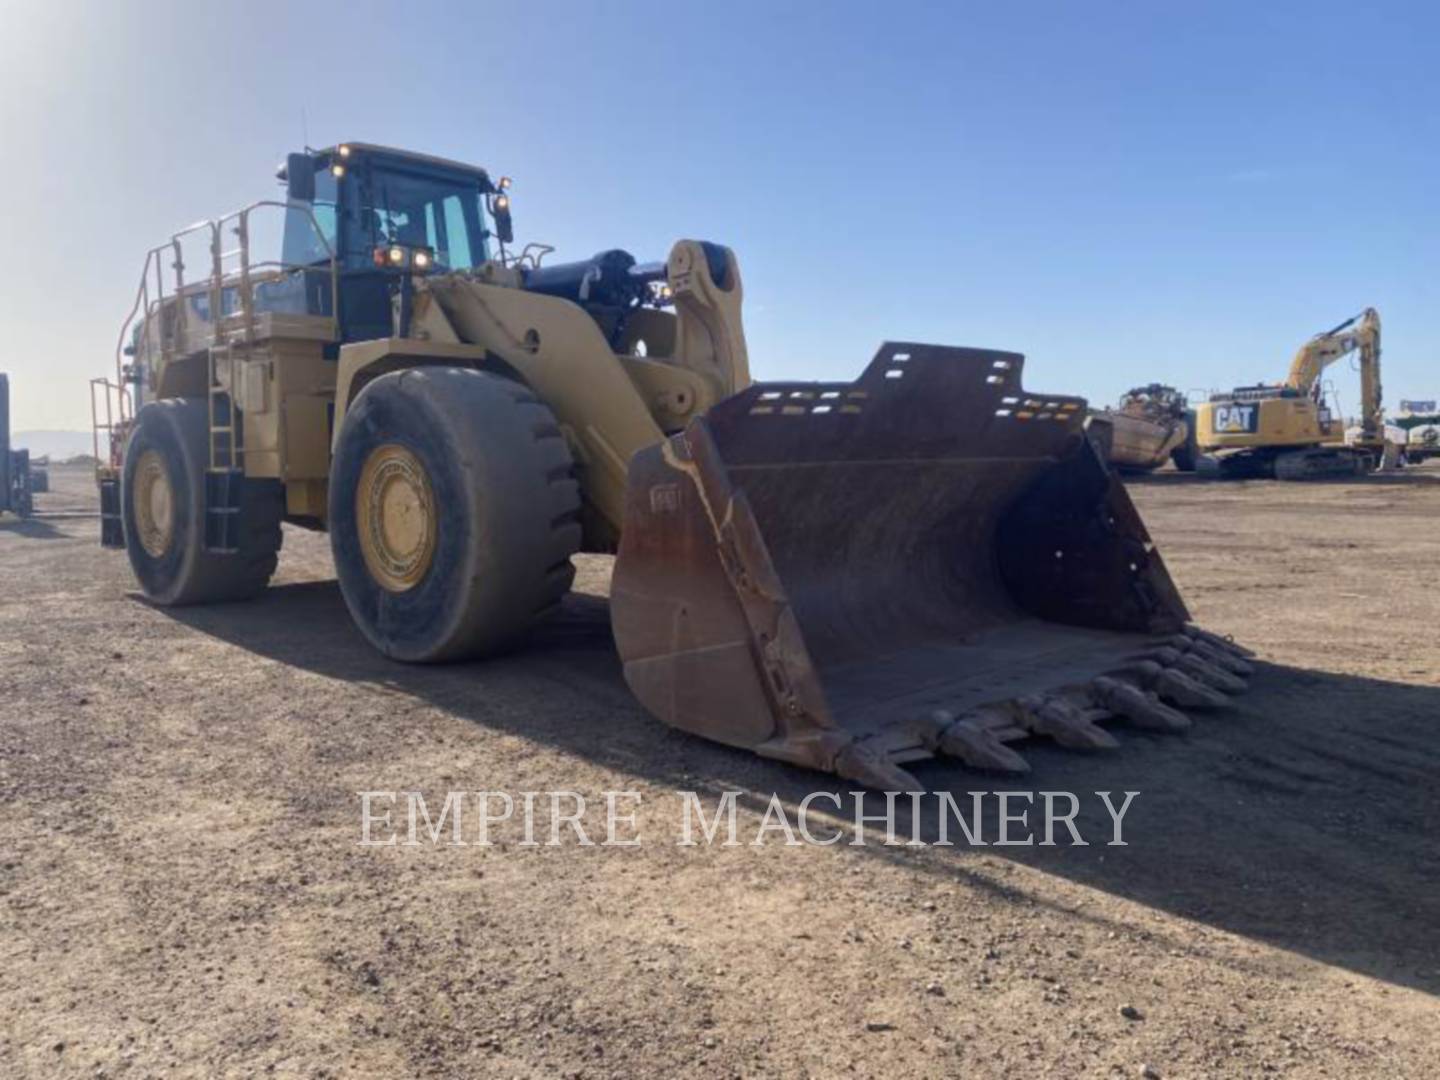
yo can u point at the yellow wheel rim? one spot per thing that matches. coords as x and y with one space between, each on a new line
396 518
153 504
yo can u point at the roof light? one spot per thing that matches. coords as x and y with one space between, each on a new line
344 151
505 182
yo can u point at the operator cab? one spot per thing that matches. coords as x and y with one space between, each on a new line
385 214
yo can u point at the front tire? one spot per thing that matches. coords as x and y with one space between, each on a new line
162 500
1187 454
454 511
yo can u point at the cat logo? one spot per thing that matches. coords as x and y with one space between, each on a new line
664 498
1236 419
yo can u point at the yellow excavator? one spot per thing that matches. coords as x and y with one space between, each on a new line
847 575
1288 431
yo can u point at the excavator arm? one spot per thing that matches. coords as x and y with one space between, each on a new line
1360 333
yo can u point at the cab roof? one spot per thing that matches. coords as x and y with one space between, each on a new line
410 155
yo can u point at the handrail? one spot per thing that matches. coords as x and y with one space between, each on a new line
218 279
242 231
216 284
142 292
117 412
141 295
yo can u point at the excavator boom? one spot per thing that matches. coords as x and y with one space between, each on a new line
1357 334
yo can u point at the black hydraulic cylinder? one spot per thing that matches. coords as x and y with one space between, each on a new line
607 280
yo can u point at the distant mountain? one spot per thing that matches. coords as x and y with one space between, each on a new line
56 445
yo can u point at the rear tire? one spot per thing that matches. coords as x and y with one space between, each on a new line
162 502
454 511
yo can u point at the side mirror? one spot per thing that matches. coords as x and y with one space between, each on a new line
504 227
300 177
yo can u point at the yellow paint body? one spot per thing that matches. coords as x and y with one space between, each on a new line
610 404
1240 423
1290 415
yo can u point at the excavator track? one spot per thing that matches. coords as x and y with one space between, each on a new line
1311 463
1323 463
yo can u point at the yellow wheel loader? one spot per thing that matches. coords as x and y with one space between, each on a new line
1288 431
845 575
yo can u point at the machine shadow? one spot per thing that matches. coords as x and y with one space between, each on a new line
31 528
1305 817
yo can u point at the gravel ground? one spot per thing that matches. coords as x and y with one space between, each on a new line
183 891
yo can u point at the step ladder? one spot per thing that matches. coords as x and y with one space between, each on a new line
225 476
112 527
111 417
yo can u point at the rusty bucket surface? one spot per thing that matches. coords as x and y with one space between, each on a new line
930 560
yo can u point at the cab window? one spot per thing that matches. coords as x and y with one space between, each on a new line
444 214
302 245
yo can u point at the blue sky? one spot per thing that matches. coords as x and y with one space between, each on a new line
1123 191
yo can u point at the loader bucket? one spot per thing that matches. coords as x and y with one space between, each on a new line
930 560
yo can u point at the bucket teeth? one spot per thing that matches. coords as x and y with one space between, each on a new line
1222 658
875 771
1180 688
1215 641
1134 704
974 739
1176 686
1065 723
1198 668
1214 674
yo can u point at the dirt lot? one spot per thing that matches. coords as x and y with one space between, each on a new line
183 892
